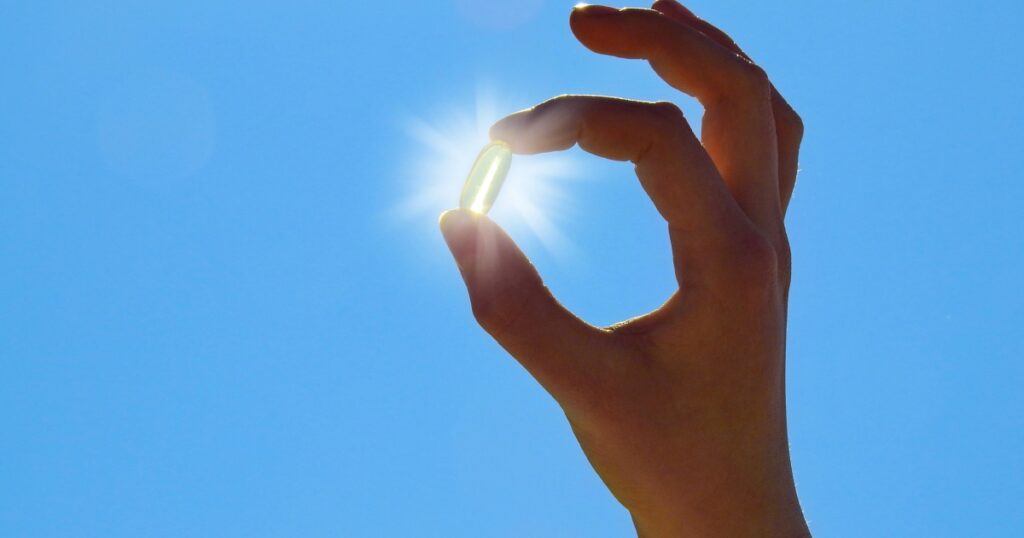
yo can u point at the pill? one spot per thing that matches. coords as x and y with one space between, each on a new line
486 177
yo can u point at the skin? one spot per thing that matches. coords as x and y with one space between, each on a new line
682 411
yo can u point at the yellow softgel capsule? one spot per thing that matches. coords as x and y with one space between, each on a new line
485 177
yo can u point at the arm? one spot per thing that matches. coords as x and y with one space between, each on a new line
680 411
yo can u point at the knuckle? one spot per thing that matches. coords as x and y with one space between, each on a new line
637 12
553 104
668 116
556 101
791 123
756 74
668 109
753 266
784 257
752 80
498 311
562 98
491 316
490 313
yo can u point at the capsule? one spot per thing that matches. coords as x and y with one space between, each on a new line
486 177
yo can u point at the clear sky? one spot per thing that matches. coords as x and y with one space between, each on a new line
226 310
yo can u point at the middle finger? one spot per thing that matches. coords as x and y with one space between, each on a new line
738 130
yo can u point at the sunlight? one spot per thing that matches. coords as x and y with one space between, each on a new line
533 198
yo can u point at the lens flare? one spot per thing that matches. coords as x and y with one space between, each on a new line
533 195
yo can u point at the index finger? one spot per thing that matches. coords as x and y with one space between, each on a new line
670 162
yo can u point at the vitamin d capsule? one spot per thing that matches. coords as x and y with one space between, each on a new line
485 178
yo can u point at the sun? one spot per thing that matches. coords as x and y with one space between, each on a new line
535 196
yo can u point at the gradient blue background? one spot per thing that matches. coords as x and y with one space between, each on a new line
212 324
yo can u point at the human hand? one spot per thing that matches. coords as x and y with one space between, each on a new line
681 411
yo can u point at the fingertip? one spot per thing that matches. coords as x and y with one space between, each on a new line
445 215
507 130
583 12
499 130
584 9
455 223
601 29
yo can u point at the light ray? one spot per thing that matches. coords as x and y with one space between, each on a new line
533 199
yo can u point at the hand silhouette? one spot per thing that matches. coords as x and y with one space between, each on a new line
681 411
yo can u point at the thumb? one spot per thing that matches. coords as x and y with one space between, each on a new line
511 303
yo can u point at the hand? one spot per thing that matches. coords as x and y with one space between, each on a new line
682 411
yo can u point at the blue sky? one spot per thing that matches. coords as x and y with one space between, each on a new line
219 317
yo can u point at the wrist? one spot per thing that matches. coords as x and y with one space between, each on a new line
787 524
774 512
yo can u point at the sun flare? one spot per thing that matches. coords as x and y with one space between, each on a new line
533 198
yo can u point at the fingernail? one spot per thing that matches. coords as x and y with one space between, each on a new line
455 222
594 10
506 128
500 129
